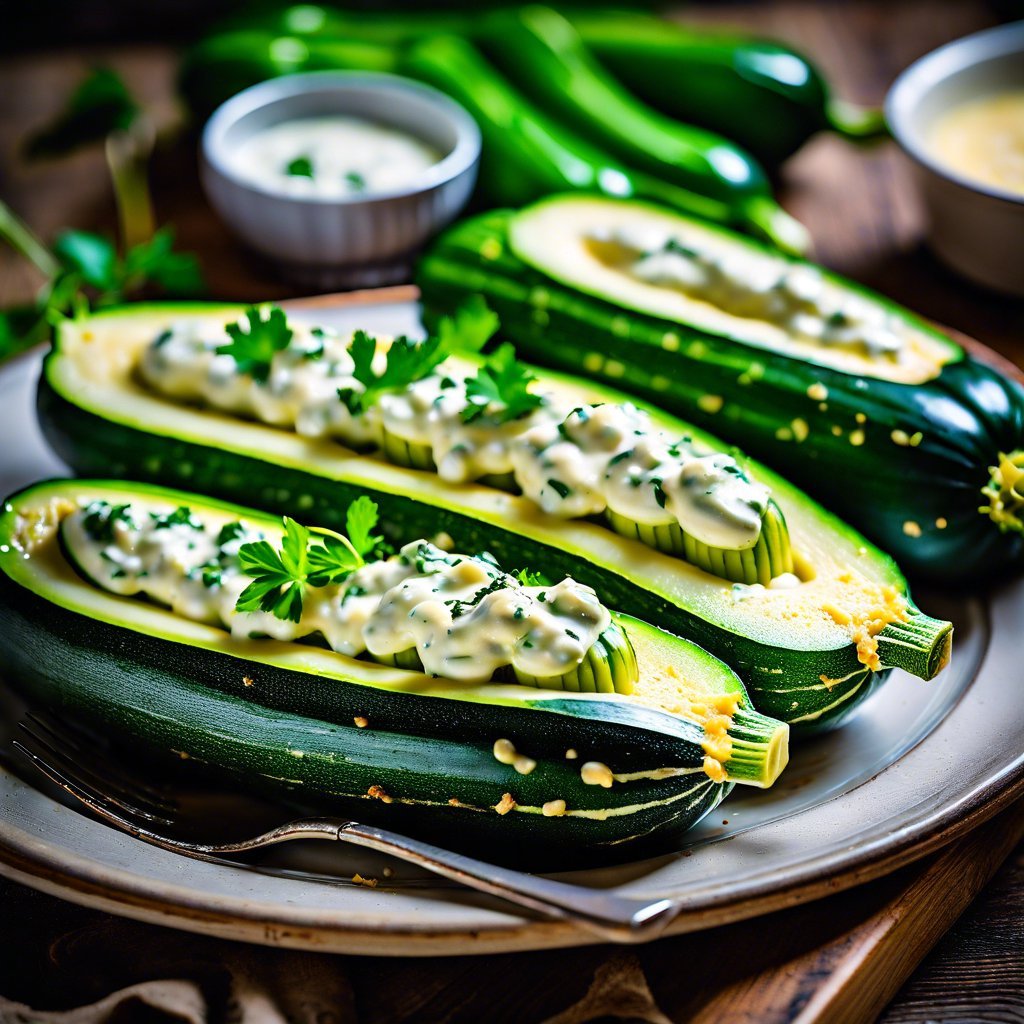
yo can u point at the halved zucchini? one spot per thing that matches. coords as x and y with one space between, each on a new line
386 742
916 451
808 653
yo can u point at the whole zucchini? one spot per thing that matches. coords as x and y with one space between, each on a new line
925 456
542 53
761 93
378 742
800 657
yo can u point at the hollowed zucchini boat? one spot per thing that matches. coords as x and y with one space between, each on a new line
906 436
808 653
609 776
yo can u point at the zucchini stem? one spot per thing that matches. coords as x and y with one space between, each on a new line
760 749
920 646
772 222
128 154
854 122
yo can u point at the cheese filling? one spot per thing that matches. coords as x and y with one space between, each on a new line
755 286
571 462
465 618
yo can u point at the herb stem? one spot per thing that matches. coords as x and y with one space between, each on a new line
128 154
19 236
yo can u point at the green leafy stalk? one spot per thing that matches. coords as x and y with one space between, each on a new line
102 109
83 268
20 238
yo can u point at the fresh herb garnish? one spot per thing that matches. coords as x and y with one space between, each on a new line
501 388
101 517
280 576
253 345
529 578
300 167
229 532
677 247
355 181
181 516
99 106
360 522
409 361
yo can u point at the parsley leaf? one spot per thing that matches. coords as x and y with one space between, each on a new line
300 167
472 326
99 106
93 257
332 560
253 348
360 520
279 578
529 578
500 388
409 361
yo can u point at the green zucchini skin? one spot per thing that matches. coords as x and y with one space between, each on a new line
292 732
784 683
967 415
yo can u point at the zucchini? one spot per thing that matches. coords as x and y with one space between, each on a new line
934 444
378 742
808 654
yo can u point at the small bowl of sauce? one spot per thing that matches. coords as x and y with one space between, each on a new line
959 113
339 178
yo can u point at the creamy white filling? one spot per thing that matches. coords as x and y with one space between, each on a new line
300 392
465 617
332 157
429 412
759 287
571 462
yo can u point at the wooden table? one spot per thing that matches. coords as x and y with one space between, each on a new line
862 212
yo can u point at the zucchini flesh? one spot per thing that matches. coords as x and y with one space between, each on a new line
797 650
286 716
926 456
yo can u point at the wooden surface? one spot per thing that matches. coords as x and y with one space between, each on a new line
862 212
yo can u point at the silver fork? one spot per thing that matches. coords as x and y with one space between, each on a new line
149 813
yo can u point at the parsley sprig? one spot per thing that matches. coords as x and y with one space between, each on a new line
409 361
280 576
83 269
254 343
501 388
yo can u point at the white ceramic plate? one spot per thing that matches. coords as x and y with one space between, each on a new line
920 763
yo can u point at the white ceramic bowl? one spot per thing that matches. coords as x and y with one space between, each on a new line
354 240
975 228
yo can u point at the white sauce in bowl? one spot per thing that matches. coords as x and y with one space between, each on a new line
332 157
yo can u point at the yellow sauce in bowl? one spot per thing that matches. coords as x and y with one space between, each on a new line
983 140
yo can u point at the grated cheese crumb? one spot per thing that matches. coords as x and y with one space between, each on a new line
505 804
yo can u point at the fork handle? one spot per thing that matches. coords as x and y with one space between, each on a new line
614 918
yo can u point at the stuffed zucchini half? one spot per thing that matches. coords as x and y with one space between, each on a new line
201 629
877 413
250 408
